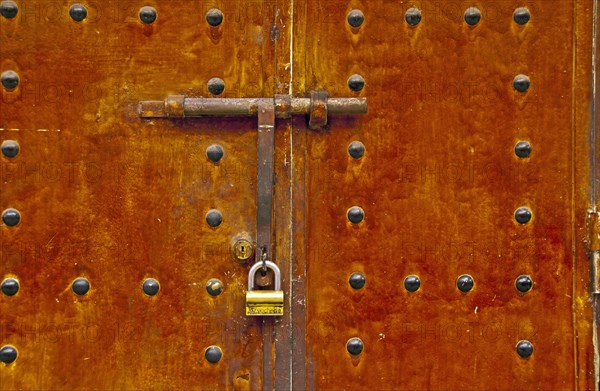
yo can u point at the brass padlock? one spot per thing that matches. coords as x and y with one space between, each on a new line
263 302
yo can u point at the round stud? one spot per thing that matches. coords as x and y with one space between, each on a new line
523 215
9 80
147 15
521 15
11 217
413 16
354 346
465 283
357 280
523 284
216 86
524 348
472 16
10 286
356 82
78 12
356 149
214 218
356 18
150 286
523 149
10 148
412 283
8 9
356 214
8 354
214 152
214 287
213 354
214 17
80 286
521 83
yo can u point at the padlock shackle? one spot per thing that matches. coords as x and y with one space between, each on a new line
269 265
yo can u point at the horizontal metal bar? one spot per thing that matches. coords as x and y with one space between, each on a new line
233 107
178 106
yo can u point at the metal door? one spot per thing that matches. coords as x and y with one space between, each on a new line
446 229
441 241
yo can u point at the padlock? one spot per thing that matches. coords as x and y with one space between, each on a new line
264 302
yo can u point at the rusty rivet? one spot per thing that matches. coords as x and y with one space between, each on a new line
523 149
214 17
78 12
356 18
523 215
150 286
80 286
356 214
11 217
8 354
465 283
9 9
521 83
213 354
216 86
356 82
472 16
214 152
354 346
10 80
412 283
521 15
214 218
356 149
357 280
413 16
524 348
214 287
523 284
10 148
10 286
147 15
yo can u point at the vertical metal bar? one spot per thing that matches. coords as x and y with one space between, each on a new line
264 199
264 217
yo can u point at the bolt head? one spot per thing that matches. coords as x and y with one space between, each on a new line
465 283
10 148
150 286
78 12
10 286
355 346
147 15
214 17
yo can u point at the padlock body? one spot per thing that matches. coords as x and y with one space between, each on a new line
264 303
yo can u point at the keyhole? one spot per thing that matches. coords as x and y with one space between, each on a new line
243 250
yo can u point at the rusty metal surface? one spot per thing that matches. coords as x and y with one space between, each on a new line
113 198
265 183
178 106
439 183
117 199
318 109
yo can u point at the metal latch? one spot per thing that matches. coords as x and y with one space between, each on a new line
319 106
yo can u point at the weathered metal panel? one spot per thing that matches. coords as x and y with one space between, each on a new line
425 185
115 199
440 183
